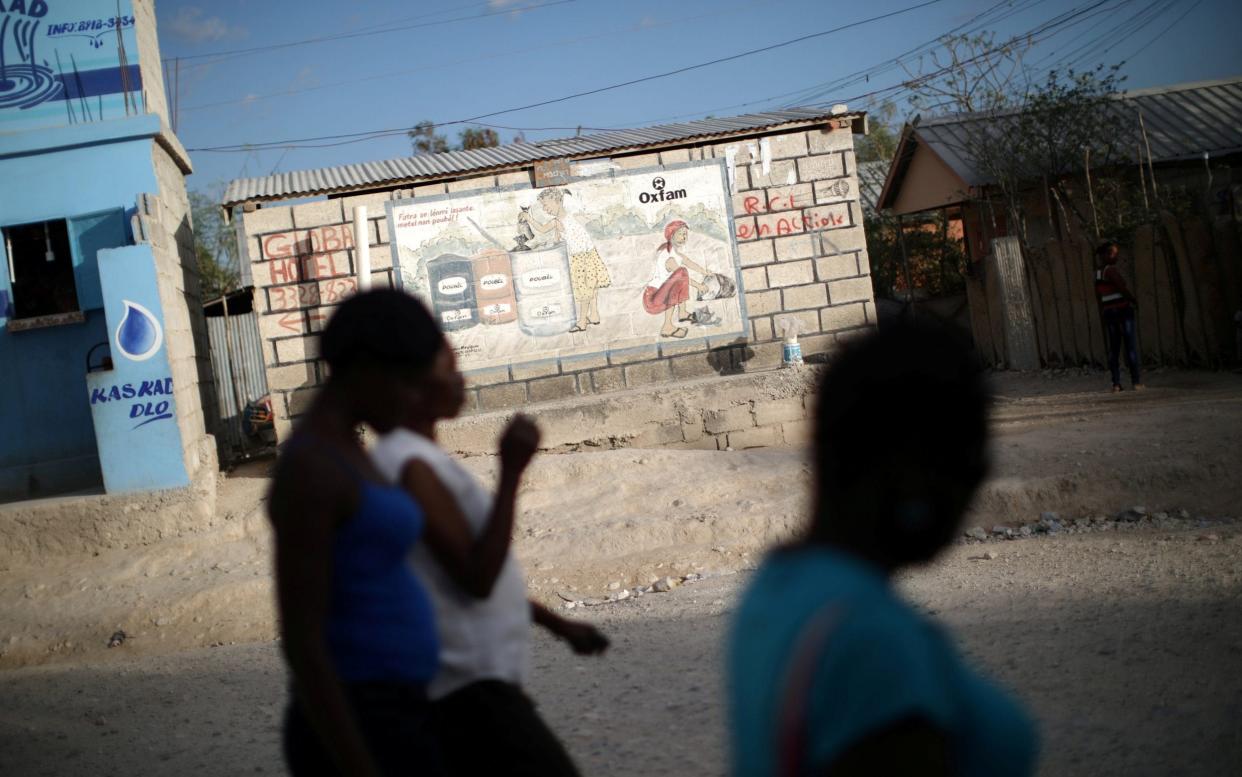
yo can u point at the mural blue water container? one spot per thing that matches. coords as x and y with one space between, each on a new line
135 412
545 295
452 292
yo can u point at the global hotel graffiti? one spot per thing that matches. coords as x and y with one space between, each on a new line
100 329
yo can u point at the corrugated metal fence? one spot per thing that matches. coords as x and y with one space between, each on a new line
237 363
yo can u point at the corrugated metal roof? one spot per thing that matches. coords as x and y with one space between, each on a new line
394 172
871 176
1181 122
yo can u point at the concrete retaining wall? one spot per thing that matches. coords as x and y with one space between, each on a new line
738 412
36 530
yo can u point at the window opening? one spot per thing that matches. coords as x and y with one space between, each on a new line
41 269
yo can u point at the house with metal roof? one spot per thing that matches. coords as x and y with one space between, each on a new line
871 178
407 171
1180 170
934 166
550 263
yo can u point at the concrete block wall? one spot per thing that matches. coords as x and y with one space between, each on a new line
303 261
189 353
185 330
154 98
799 230
800 240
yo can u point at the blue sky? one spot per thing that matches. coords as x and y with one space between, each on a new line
471 57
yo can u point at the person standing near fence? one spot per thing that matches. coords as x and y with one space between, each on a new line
1118 309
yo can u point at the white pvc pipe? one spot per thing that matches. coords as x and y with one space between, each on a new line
362 247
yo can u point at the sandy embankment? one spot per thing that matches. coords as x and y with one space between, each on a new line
628 516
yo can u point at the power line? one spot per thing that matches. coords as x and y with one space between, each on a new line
1046 29
1140 21
374 134
1161 34
220 56
251 99
404 19
1058 53
874 70
1116 33
974 24
1038 34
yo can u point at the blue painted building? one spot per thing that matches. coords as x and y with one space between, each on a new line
104 373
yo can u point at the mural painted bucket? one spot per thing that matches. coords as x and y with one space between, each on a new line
493 287
545 296
452 292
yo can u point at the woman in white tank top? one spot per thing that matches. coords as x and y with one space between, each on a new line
483 719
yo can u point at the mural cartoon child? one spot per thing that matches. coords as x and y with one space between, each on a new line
587 271
669 287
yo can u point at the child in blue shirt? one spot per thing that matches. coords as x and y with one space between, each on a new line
830 671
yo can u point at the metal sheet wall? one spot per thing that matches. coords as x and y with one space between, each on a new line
237 364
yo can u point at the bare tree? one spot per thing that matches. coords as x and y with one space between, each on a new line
215 247
969 74
426 140
484 137
1025 134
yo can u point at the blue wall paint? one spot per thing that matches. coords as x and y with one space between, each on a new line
76 135
132 404
64 63
75 181
89 234
47 438
46 427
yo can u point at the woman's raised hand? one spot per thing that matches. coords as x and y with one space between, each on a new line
518 444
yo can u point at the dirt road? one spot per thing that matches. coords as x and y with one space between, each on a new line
1126 645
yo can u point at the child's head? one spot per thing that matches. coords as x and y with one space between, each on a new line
1108 252
552 200
900 443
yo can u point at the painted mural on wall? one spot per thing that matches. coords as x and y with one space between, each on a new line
598 264
137 338
67 62
132 404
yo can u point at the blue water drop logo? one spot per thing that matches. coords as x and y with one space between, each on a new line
139 334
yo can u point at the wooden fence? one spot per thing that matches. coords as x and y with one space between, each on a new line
1185 272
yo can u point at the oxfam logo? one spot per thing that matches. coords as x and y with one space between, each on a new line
660 193
139 335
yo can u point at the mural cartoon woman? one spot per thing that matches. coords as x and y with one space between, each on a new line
669 288
587 271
